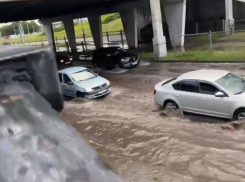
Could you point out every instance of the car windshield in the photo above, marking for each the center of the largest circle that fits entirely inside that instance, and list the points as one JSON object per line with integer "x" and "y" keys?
{"x": 119, "y": 50}
{"x": 82, "y": 75}
{"x": 232, "y": 83}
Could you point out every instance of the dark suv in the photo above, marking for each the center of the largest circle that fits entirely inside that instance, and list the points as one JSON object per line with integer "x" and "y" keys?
{"x": 111, "y": 57}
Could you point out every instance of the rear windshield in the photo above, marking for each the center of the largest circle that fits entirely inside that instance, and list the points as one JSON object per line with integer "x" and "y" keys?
{"x": 172, "y": 79}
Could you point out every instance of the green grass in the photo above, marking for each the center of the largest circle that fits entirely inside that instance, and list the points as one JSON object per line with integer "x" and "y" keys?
{"x": 201, "y": 56}
{"x": 114, "y": 25}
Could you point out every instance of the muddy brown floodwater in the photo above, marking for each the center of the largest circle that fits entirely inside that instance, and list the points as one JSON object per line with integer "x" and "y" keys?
{"x": 127, "y": 130}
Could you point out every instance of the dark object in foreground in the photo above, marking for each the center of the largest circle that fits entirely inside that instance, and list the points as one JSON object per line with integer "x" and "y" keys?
{"x": 111, "y": 57}
{"x": 35, "y": 145}
{"x": 33, "y": 65}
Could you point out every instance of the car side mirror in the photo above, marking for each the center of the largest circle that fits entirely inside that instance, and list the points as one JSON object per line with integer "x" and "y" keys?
{"x": 219, "y": 94}
{"x": 70, "y": 83}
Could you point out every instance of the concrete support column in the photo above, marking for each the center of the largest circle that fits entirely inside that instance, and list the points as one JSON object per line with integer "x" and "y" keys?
{"x": 96, "y": 29}
{"x": 129, "y": 24}
{"x": 70, "y": 33}
{"x": 48, "y": 30}
{"x": 175, "y": 14}
{"x": 159, "y": 40}
{"x": 229, "y": 22}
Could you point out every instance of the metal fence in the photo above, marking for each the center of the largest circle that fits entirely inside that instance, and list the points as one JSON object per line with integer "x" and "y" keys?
{"x": 210, "y": 41}
{"x": 83, "y": 42}
{"x": 214, "y": 26}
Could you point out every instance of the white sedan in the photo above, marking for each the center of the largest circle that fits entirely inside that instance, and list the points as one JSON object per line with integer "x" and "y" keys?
{"x": 215, "y": 93}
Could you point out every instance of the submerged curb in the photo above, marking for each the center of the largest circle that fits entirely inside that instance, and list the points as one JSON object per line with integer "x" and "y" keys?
{"x": 186, "y": 61}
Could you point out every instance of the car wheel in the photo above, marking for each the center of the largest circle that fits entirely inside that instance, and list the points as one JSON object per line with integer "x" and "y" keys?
{"x": 170, "y": 105}
{"x": 80, "y": 95}
{"x": 239, "y": 114}
{"x": 110, "y": 66}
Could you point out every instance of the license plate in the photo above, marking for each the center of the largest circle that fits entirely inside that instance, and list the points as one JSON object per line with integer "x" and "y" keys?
{"x": 134, "y": 63}
{"x": 101, "y": 92}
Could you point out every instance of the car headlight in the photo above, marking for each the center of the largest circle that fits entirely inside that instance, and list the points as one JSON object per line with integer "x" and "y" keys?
{"x": 70, "y": 59}
{"x": 62, "y": 61}
{"x": 125, "y": 59}
{"x": 89, "y": 90}
{"x": 107, "y": 82}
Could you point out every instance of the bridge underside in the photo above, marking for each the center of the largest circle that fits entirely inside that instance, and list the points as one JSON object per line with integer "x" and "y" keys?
{"x": 16, "y": 10}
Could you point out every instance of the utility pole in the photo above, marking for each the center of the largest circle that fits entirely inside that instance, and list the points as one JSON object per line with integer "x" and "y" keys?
{"x": 28, "y": 28}
{"x": 15, "y": 31}
{"x": 32, "y": 28}
{"x": 22, "y": 34}
{"x": 82, "y": 26}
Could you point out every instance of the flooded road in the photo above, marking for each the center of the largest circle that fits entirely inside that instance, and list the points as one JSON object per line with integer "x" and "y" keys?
{"x": 144, "y": 145}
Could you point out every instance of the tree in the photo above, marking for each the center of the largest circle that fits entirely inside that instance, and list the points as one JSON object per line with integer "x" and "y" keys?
{"x": 13, "y": 28}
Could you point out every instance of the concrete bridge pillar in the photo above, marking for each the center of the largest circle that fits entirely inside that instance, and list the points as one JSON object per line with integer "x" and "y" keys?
{"x": 159, "y": 40}
{"x": 96, "y": 29}
{"x": 48, "y": 30}
{"x": 130, "y": 27}
{"x": 175, "y": 13}
{"x": 70, "y": 33}
{"x": 229, "y": 22}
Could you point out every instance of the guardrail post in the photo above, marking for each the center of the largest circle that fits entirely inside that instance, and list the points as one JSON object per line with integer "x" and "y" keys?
{"x": 174, "y": 45}
{"x": 84, "y": 39}
{"x": 223, "y": 25}
{"x": 197, "y": 27}
{"x": 122, "y": 39}
{"x": 210, "y": 41}
{"x": 83, "y": 46}
{"x": 42, "y": 42}
{"x": 108, "y": 40}
{"x": 57, "y": 43}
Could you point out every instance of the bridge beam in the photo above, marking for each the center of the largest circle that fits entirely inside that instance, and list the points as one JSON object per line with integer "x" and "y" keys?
{"x": 70, "y": 33}
{"x": 96, "y": 29}
{"x": 175, "y": 13}
{"x": 49, "y": 32}
{"x": 130, "y": 27}
{"x": 229, "y": 22}
{"x": 159, "y": 40}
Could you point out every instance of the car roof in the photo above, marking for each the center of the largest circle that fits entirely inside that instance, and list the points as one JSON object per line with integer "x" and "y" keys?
{"x": 207, "y": 75}
{"x": 72, "y": 70}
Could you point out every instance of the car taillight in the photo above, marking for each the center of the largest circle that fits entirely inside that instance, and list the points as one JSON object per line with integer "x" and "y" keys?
{"x": 155, "y": 92}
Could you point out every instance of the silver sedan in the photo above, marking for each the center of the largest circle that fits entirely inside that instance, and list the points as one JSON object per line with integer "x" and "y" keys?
{"x": 215, "y": 93}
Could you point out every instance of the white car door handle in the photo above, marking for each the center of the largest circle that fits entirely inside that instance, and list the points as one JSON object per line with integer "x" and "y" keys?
{"x": 201, "y": 98}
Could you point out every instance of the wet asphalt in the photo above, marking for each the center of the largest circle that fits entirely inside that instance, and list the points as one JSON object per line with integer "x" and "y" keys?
{"x": 141, "y": 144}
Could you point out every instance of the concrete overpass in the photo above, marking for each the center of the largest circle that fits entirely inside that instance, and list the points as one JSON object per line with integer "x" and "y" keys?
{"x": 49, "y": 11}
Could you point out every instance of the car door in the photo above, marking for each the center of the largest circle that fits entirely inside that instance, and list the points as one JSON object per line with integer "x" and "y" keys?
{"x": 211, "y": 105}
{"x": 69, "y": 89}
{"x": 62, "y": 83}
{"x": 187, "y": 95}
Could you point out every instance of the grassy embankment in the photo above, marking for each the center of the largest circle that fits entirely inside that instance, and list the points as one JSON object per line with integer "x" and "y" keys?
{"x": 110, "y": 23}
